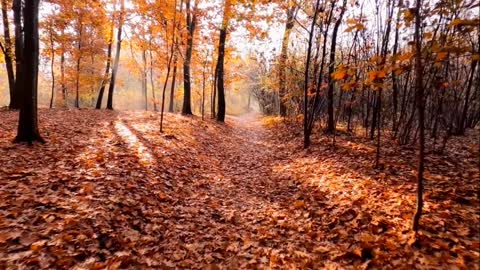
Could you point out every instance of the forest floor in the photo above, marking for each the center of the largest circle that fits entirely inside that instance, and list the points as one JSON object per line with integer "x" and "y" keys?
{"x": 108, "y": 190}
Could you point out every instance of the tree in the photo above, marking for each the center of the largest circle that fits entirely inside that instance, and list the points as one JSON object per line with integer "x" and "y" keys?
{"x": 191, "y": 21}
{"x": 282, "y": 77}
{"x": 111, "y": 87}
{"x": 109, "y": 61}
{"x": 28, "y": 122}
{"x": 420, "y": 103}
{"x": 331, "y": 68}
{"x": 219, "y": 70}
{"x": 6, "y": 48}
{"x": 19, "y": 75}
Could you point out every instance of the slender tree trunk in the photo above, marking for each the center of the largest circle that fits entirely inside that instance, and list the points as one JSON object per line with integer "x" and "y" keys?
{"x": 394, "y": 79}
{"x": 290, "y": 23}
{"x": 214, "y": 93}
{"x": 52, "y": 65}
{"x": 204, "y": 74}
{"x": 7, "y": 51}
{"x": 306, "y": 129}
{"x": 169, "y": 65}
{"x": 152, "y": 80}
{"x": 109, "y": 61}
{"x": 144, "y": 80}
{"x": 331, "y": 69}
{"x": 79, "y": 61}
{"x": 220, "y": 62}
{"x": 461, "y": 125}
{"x": 28, "y": 122}
{"x": 171, "y": 107}
{"x": 191, "y": 23}
{"x": 19, "y": 75}
{"x": 220, "y": 77}
{"x": 420, "y": 102}
{"x": 111, "y": 87}
{"x": 62, "y": 77}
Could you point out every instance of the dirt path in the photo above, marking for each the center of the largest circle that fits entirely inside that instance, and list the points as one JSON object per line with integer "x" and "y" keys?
{"x": 242, "y": 211}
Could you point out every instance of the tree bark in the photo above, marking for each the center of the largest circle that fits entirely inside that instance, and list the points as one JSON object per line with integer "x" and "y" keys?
{"x": 107, "y": 68}
{"x": 306, "y": 129}
{"x": 52, "y": 64}
{"x": 19, "y": 75}
{"x": 191, "y": 23}
{"x": 331, "y": 69}
{"x": 220, "y": 62}
{"x": 28, "y": 122}
{"x": 290, "y": 23}
{"x": 7, "y": 51}
{"x": 79, "y": 62}
{"x": 111, "y": 87}
{"x": 420, "y": 103}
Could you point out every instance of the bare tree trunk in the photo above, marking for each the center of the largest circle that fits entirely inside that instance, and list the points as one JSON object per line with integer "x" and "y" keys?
{"x": 306, "y": 130}
{"x": 420, "y": 102}
{"x": 79, "y": 59}
{"x": 171, "y": 105}
{"x": 19, "y": 76}
{"x": 331, "y": 69}
{"x": 172, "y": 54}
{"x": 28, "y": 122}
{"x": 109, "y": 62}
{"x": 214, "y": 93}
{"x": 220, "y": 62}
{"x": 191, "y": 23}
{"x": 7, "y": 52}
{"x": 290, "y": 23}
{"x": 152, "y": 80}
{"x": 204, "y": 74}
{"x": 144, "y": 79}
{"x": 111, "y": 87}
{"x": 52, "y": 64}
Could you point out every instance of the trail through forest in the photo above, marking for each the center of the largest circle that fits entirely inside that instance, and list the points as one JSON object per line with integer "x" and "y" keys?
{"x": 109, "y": 191}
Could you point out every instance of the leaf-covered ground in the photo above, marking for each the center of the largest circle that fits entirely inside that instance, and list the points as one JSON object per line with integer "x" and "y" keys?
{"x": 109, "y": 191}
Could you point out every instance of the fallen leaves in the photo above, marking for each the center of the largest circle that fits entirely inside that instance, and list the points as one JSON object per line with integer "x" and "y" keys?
{"x": 120, "y": 195}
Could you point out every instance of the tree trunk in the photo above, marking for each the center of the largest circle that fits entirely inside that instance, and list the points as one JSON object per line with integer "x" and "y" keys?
{"x": 331, "y": 69}
{"x": 111, "y": 87}
{"x": 214, "y": 93}
{"x": 220, "y": 62}
{"x": 152, "y": 80}
{"x": 28, "y": 122}
{"x": 420, "y": 102}
{"x": 79, "y": 61}
{"x": 191, "y": 22}
{"x": 291, "y": 12}
{"x": 52, "y": 65}
{"x": 19, "y": 76}
{"x": 144, "y": 80}
{"x": 107, "y": 68}
{"x": 220, "y": 75}
{"x": 461, "y": 123}
{"x": 306, "y": 129}
{"x": 7, "y": 51}
{"x": 171, "y": 107}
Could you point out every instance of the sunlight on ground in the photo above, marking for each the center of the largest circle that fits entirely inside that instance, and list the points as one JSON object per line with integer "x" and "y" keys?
{"x": 131, "y": 139}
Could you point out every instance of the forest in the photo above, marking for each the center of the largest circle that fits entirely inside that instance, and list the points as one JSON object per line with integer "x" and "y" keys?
{"x": 240, "y": 134}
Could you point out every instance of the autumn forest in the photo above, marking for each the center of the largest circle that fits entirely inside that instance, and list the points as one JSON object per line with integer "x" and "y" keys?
{"x": 240, "y": 134}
